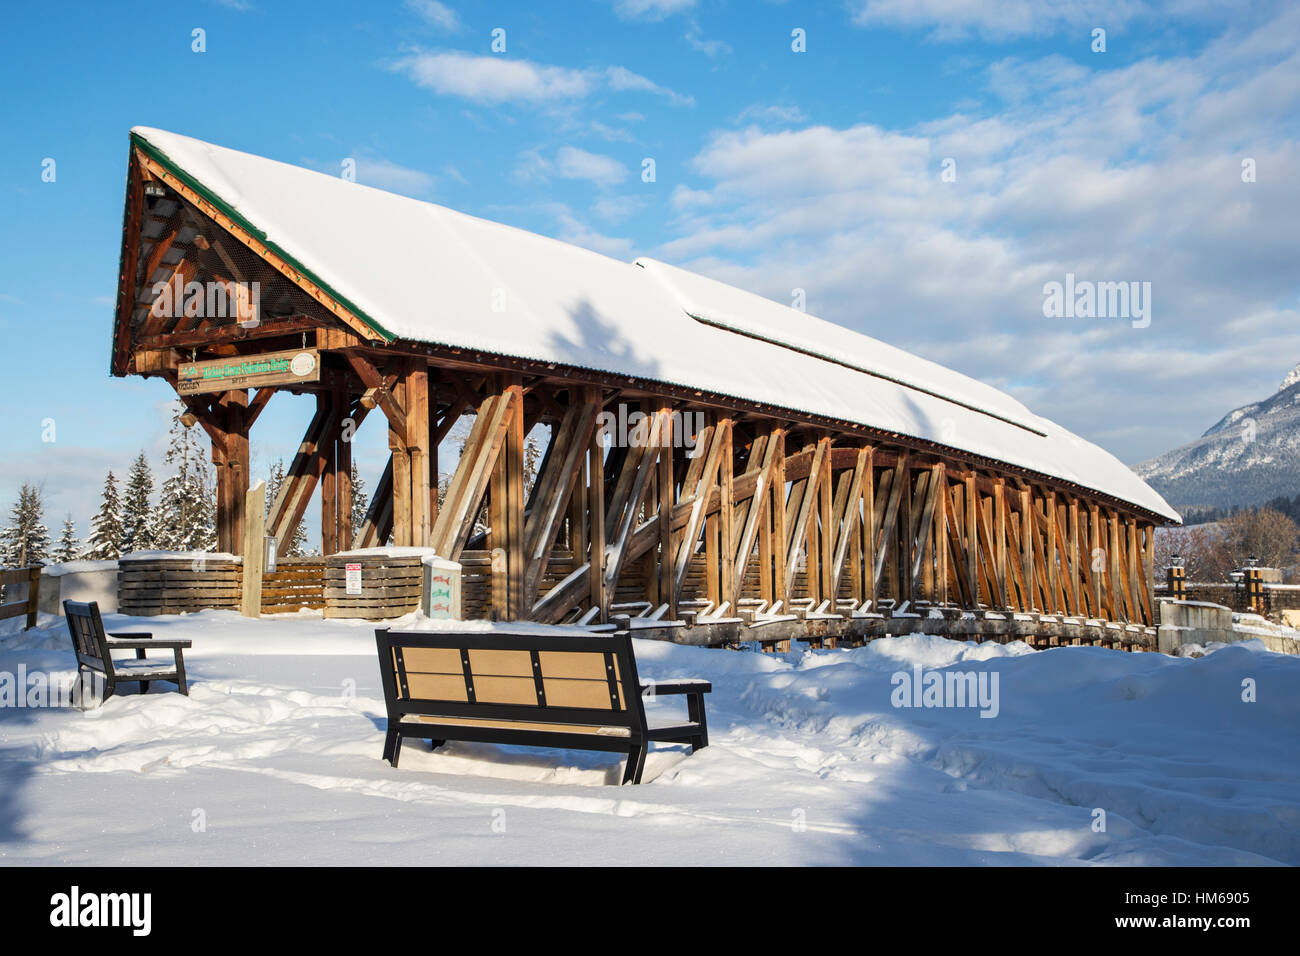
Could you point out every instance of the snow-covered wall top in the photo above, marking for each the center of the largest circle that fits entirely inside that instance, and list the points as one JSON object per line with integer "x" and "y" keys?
{"x": 425, "y": 273}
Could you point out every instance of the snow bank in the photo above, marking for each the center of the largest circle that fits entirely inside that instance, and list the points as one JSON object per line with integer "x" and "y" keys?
{"x": 809, "y": 762}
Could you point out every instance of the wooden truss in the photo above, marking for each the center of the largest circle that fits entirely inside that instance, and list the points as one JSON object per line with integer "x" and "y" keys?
{"x": 709, "y": 504}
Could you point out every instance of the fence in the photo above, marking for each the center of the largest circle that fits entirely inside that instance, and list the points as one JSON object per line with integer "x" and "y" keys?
{"x": 28, "y": 605}
{"x": 1266, "y": 598}
{"x": 295, "y": 584}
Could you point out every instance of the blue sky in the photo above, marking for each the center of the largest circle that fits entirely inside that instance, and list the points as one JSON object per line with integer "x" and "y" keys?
{"x": 774, "y": 169}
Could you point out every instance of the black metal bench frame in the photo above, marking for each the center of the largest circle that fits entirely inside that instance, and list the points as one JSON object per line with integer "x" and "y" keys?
{"x": 627, "y": 710}
{"x": 94, "y": 649}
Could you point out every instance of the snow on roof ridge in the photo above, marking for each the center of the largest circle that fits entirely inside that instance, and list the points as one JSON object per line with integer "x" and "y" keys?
{"x": 784, "y": 330}
{"x": 506, "y": 291}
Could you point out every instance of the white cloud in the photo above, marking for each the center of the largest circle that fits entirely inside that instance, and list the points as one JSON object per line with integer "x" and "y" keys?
{"x": 436, "y": 14}
{"x": 496, "y": 79}
{"x": 618, "y": 208}
{"x": 650, "y": 9}
{"x": 949, "y": 20}
{"x": 574, "y": 163}
{"x": 956, "y": 19}
{"x": 1132, "y": 173}
{"x": 575, "y": 231}
{"x": 532, "y": 167}
{"x": 695, "y": 37}
{"x": 683, "y": 197}
{"x": 493, "y": 79}
{"x": 773, "y": 114}
{"x": 620, "y": 78}
{"x": 372, "y": 170}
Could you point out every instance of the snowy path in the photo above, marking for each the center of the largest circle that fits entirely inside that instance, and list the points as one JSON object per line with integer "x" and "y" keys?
{"x": 277, "y": 754}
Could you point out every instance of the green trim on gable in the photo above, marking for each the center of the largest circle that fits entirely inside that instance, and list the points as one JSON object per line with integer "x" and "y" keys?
{"x": 174, "y": 168}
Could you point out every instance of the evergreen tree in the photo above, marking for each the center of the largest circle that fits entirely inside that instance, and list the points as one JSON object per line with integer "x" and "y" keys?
{"x": 67, "y": 548}
{"x": 358, "y": 506}
{"x": 26, "y": 541}
{"x": 532, "y": 462}
{"x": 296, "y": 546}
{"x": 105, "y": 540}
{"x": 138, "y": 523}
{"x": 185, "y": 519}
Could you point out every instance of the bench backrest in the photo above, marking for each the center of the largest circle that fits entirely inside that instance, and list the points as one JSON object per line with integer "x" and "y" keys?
{"x": 88, "y": 638}
{"x": 586, "y": 680}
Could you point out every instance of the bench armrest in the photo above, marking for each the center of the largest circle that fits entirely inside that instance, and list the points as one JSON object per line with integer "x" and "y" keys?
{"x": 127, "y": 644}
{"x": 132, "y": 635}
{"x": 687, "y": 686}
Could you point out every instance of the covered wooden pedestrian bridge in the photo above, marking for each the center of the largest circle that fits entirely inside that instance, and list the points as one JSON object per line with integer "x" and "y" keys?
{"x": 710, "y": 455}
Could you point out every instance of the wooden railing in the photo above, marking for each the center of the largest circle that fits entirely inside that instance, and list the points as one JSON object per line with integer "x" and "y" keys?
{"x": 32, "y": 577}
{"x": 296, "y": 583}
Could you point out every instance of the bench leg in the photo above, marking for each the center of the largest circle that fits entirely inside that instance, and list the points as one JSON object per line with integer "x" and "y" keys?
{"x": 635, "y": 764}
{"x": 392, "y": 747}
{"x": 144, "y": 687}
{"x": 695, "y": 711}
{"x": 435, "y": 744}
{"x": 181, "y": 684}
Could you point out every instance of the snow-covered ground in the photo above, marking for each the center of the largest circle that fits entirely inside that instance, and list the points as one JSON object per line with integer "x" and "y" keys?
{"x": 275, "y": 758}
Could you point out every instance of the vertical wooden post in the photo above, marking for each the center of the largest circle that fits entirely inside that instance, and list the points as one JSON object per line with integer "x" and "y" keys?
{"x": 1027, "y": 532}
{"x": 971, "y": 500}
{"x": 1149, "y": 560}
{"x": 343, "y": 468}
{"x": 1053, "y": 575}
{"x": 1075, "y": 596}
{"x": 417, "y": 445}
{"x": 233, "y": 477}
{"x": 1095, "y": 558}
{"x": 329, "y": 485}
{"x": 1117, "y": 597}
{"x": 780, "y": 582}
{"x": 1000, "y": 541}
{"x": 401, "y": 471}
{"x": 940, "y": 536}
{"x": 664, "y": 480}
{"x": 506, "y": 511}
{"x": 903, "y": 541}
{"x": 726, "y": 519}
{"x": 1177, "y": 583}
{"x": 826, "y": 536}
{"x": 596, "y": 514}
{"x": 33, "y": 594}
{"x": 514, "y": 455}
{"x": 869, "y": 531}
{"x": 1134, "y": 583}
{"x": 254, "y": 550}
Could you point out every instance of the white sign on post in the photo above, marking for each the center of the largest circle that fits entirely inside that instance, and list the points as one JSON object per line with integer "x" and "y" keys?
{"x": 353, "y": 578}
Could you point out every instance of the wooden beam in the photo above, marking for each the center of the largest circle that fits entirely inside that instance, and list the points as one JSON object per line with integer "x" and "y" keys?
{"x": 473, "y": 472}
{"x": 304, "y": 472}
{"x": 664, "y": 480}
{"x": 597, "y": 595}
{"x": 253, "y": 550}
{"x": 799, "y": 531}
{"x": 259, "y": 248}
{"x": 556, "y": 485}
{"x": 418, "y": 435}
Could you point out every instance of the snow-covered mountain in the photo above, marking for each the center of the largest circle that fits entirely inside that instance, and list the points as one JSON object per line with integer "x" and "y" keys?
{"x": 1250, "y": 455}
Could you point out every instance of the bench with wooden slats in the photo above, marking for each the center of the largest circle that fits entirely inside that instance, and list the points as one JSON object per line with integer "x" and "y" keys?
{"x": 94, "y": 649}
{"x": 578, "y": 692}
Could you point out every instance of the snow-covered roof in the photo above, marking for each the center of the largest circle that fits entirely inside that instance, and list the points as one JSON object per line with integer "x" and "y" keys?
{"x": 421, "y": 272}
